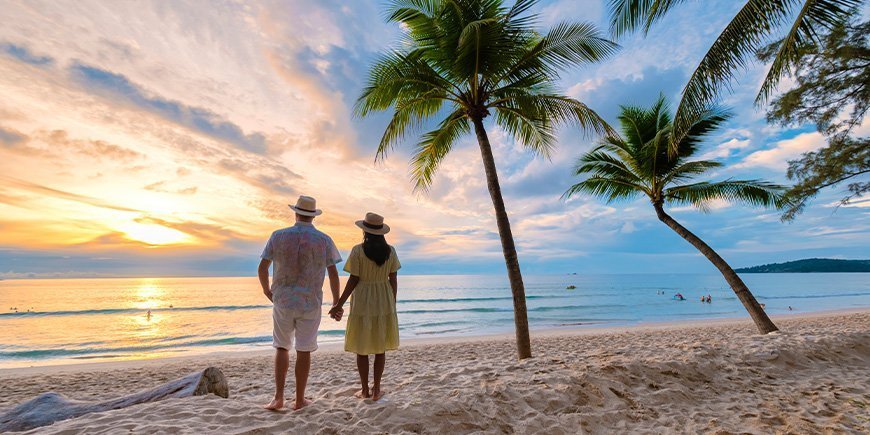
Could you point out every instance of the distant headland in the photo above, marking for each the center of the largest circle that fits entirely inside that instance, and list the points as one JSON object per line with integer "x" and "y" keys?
{"x": 811, "y": 265}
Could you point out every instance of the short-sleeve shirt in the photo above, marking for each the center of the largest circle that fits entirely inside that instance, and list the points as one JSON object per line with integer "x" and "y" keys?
{"x": 358, "y": 264}
{"x": 300, "y": 255}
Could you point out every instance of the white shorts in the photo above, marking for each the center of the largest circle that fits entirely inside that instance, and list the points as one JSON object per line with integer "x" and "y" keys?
{"x": 287, "y": 322}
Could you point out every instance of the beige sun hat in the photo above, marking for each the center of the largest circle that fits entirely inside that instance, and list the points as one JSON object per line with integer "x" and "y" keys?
{"x": 306, "y": 206}
{"x": 373, "y": 224}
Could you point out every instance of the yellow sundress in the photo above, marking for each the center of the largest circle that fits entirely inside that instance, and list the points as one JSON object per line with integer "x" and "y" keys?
{"x": 372, "y": 325}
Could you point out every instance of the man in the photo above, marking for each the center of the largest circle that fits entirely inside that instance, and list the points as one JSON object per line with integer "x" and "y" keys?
{"x": 300, "y": 254}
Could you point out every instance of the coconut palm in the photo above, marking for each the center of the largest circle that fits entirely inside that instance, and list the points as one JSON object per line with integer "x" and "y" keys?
{"x": 640, "y": 162}
{"x": 463, "y": 60}
{"x": 804, "y": 22}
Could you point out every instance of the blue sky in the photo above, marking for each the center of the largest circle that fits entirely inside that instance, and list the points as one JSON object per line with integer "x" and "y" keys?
{"x": 156, "y": 139}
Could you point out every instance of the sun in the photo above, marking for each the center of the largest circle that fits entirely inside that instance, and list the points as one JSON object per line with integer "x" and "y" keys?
{"x": 154, "y": 234}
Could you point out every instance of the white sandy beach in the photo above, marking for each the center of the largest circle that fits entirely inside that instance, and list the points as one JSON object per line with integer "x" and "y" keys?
{"x": 712, "y": 377}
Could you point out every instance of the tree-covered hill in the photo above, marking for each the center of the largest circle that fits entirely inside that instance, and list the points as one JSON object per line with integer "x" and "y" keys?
{"x": 811, "y": 265}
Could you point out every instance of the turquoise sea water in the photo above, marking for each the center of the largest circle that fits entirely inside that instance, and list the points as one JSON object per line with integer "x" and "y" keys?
{"x": 77, "y": 320}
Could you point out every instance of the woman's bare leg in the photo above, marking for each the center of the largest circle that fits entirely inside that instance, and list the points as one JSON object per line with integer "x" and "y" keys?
{"x": 362, "y": 365}
{"x": 380, "y": 361}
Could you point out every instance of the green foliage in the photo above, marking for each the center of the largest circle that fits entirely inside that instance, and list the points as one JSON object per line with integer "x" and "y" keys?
{"x": 461, "y": 61}
{"x": 832, "y": 78}
{"x": 811, "y": 265}
{"x": 843, "y": 159}
{"x": 756, "y": 21}
{"x": 641, "y": 162}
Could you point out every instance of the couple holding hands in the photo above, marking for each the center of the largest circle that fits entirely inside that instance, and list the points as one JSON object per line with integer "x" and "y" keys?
{"x": 300, "y": 257}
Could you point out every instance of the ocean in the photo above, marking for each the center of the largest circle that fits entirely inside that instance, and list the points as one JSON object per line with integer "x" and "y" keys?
{"x": 57, "y": 321}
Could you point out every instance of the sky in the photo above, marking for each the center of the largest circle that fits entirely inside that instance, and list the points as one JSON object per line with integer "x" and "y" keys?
{"x": 153, "y": 138}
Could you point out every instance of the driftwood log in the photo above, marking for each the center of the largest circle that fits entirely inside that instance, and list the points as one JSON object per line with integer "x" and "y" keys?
{"x": 51, "y": 407}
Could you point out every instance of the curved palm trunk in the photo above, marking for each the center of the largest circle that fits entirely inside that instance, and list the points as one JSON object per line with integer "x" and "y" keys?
{"x": 521, "y": 321}
{"x": 764, "y": 324}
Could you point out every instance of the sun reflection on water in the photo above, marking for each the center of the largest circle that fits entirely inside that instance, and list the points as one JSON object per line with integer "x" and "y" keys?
{"x": 149, "y": 295}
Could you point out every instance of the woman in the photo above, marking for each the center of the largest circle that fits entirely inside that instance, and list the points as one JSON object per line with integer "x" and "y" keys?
{"x": 372, "y": 325}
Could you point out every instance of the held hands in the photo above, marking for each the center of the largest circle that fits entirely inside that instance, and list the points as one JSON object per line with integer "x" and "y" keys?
{"x": 336, "y": 312}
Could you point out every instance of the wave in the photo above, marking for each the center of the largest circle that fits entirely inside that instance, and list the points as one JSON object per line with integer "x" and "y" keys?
{"x": 65, "y": 352}
{"x": 510, "y": 309}
{"x": 131, "y": 310}
{"x": 496, "y": 298}
{"x": 834, "y": 295}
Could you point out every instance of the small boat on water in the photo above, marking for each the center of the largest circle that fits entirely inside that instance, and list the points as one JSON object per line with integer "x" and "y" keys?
{"x": 571, "y": 287}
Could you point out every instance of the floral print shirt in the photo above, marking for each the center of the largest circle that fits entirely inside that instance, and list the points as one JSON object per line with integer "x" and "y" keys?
{"x": 300, "y": 255}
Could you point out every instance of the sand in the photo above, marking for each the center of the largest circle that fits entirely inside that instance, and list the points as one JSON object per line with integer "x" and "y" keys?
{"x": 715, "y": 377}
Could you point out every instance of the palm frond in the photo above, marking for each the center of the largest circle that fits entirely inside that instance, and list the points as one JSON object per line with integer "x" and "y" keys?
{"x": 599, "y": 162}
{"x": 532, "y": 129}
{"x": 408, "y": 114}
{"x": 611, "y": 190}
{"x": 434, "y": 146}
{"x": 688, "y": 170}
{"x": 398, "y": 77}
{"x": 730, "y": 52}
{"x": 626, "y": 16}
{"x": 571, "y": 44}
{"x": 813, "y": 16}
{"x": 700, "y": 127}
{"x": 566, "y": 45}
{"x": 751, "y": 192}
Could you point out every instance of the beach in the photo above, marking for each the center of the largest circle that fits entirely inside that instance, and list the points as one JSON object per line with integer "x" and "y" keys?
{"x": 715, "y": 376}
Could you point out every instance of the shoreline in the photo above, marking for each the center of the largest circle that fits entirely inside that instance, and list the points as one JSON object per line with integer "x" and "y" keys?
{"x": 690, "y": 377}
{"x": 337, "y": 347}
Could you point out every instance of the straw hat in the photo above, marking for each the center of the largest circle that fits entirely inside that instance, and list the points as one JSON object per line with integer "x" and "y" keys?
{"x": 306, "y": 206}
{"x": 373, "y": 224}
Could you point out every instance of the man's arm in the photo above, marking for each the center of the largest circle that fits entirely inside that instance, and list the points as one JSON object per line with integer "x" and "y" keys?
{"x": 334, "y": 284}
{"x": 263, "y": 273}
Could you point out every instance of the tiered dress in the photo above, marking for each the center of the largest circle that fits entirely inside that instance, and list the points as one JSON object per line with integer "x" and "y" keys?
{"x": 372, "y": 325}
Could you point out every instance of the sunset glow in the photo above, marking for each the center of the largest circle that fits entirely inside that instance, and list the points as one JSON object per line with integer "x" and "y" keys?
{"x": 168, "y": 138}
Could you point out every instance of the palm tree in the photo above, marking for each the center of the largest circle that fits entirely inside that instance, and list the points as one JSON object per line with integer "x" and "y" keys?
{"x": 463, "y": 60}
{"x": 741, "y": 39}
{"x": 642, "y": 162}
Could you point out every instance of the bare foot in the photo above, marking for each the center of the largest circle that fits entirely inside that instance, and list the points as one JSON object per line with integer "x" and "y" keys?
{"x": 305, "y": 402}
{"x": 275, "y": 405}
{"x": 362, "y": 394}
{"x": 377, "y": 394}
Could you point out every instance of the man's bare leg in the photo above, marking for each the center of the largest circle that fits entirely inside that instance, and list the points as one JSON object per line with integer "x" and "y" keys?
{"x": 362, "y": 365}
{"x": 380, "y": 361}
{"x": 303, "y": 367}
{"x": 282, "y": 364}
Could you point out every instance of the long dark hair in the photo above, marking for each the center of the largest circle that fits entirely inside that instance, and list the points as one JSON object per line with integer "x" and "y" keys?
{"x": 376, "y": 248}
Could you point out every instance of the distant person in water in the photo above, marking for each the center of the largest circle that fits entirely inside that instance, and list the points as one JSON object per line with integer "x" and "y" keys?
{"x": 679, "y": 297}
{"x": 372, "y": 325}
{"x": 709, "y": 299}
{"x": 299, "y": 256}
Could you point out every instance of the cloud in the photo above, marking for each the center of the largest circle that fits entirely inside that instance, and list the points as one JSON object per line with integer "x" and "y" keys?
{"x": 605, "y": 96}
{"x": 161, "y": 186}
{"x": 23, "y": 54}
{"x": 59, "y": 139}
{"x": 196, "y": 118}
{"x": 785, "y": 150}
{"x": 11, "y": 138}
{"x": 726, "y": 149}
{"x": 44, "y": 190}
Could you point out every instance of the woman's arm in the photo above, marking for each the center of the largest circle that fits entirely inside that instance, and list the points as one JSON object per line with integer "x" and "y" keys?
{"x": 352, "y": 281}
{"x": 394, "y": 283}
